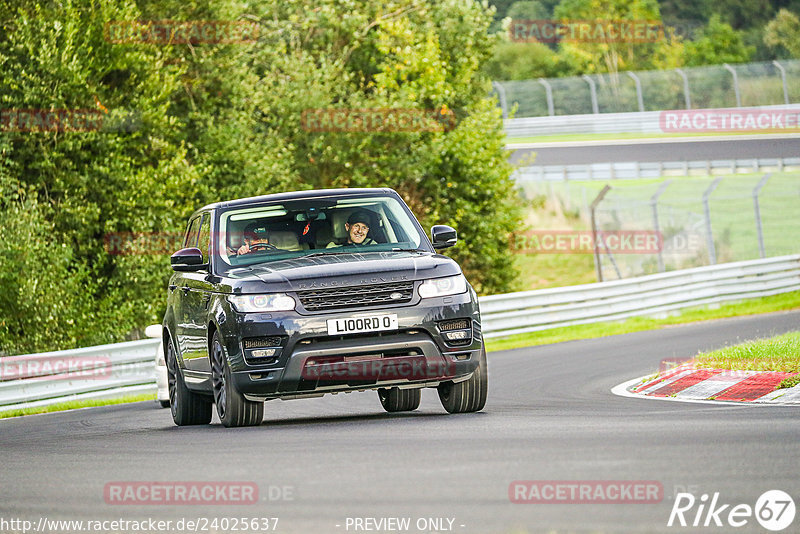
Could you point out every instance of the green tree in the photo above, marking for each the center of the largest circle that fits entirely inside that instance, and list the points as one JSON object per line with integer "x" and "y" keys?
{"x": 401, "y": 55}
{"x": 783, "y": 32}
{"x": 187, "y": 124}
{"x": 614, "y": 55}
{"x": 528, "y": 10}
{"x": 525, "y": 61}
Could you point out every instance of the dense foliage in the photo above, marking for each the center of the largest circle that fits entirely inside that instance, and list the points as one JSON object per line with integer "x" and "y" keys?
{"x": 697, "y": 33}
{"x": 188, "y": 124}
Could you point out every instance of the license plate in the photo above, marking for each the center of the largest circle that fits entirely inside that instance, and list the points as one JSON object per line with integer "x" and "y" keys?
{"x": 360, "y": 325}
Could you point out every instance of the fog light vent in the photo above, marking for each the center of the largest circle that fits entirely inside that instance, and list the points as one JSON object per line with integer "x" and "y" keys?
{"x": 454, "y": 324}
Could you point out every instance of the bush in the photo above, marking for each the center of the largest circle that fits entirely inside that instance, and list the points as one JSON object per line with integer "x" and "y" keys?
{"x": 213, "y": 122}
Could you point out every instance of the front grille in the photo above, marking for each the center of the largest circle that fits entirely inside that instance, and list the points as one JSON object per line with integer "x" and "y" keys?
{"x": 356, "y": 296}
{"x": 259, "y": 342}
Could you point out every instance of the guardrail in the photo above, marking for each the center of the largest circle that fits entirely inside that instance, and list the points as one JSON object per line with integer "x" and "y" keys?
{"x": 128, "y": 368}
{"x": 656, "y": 169}
{"x": 103, "y": 371}
{"x": 646, "y": 122}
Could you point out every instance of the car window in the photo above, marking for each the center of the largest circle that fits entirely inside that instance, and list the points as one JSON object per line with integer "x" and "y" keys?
{"x": 192, "y": 232}
{"x": 205, "y": 236}
{"x": 336, "y": 225}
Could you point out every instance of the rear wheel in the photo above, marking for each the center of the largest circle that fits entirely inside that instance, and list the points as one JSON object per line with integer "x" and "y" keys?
{"x": 469, "y": 395}
{"x": 232, "y": 408}
{"x": 399, "y": 400}
{"x": 187, "y": 407}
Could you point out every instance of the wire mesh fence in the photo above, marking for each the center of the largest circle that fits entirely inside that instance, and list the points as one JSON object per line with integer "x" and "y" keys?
{"x": 697, "y": 220}
{"x": 717, "y": 86}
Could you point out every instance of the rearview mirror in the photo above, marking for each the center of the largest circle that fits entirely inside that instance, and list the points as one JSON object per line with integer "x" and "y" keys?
{"x": 443, "y": 236}
{"x": 188, "y": 259}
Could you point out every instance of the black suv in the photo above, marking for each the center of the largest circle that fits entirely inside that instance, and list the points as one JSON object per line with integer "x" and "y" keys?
{"x": 299, "y": 294}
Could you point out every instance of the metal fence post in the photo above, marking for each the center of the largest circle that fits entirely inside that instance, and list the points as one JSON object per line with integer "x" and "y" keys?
{"x": 757, "y": 210}
{"x": 656, "y": 227}
{"x": 639, "y": 96}
{"x": 686, "y": 96}
{"x": 712, "y": 252}
{"x": 593, "y": 92}
{"x": 735, "y": 84}
{"x": 548, "y": 90}
{"x": 783, "y": 80}
{"x": 501, "y": 96}
{"x": 592, "y": 209}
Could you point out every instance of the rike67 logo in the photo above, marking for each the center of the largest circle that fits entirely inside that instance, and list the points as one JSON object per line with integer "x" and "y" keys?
{"x": 774, "y": 510}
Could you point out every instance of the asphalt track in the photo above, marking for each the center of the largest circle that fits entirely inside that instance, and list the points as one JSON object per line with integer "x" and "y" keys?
{"x": 650, "y": 150}
{"x": 550, "y": 416}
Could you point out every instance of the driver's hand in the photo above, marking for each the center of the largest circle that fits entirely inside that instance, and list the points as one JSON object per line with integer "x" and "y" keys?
{"x": 244, "y": 249}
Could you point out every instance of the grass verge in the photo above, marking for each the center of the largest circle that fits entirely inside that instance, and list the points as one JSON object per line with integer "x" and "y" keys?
{"x": 779, "y": 353}
{"x": 785, "y": 301}
{"x": 72, "y": 405}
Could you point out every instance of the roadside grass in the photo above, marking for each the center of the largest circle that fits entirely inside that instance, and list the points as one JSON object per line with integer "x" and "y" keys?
{"x": 783, "y": 302}
{"x": 731, "y": 209}
{"x": 72, "y": 405}
{"x": 540, "y": 271}
{"x": 779, "y": 353}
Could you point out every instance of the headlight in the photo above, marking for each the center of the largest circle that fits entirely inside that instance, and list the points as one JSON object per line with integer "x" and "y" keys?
{"x": 441, "y": 287}
{"x": 262, "y": 303}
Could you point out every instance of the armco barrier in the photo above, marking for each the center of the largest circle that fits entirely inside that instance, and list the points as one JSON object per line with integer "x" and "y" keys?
{"x": 657, "y": 169}
{"x": 529, "y": 311}
{"x": 644, "y": 122}
{"x": 132, "y": 369}
{"x": 114, "y": 370}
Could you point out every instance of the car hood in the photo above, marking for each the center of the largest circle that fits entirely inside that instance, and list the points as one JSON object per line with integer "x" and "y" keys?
{"x": 320, "y": 272}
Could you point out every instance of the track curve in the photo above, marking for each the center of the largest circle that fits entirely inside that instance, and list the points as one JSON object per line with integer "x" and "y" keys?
{"x": 550, "y": 416}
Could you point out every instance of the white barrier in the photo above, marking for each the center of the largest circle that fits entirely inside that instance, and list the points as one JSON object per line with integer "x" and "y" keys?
{"x": 530, "y": 311}
{"x": 661, "y": 169}
{"x": 102, "y": 371}
{"x": 646, "y": 122}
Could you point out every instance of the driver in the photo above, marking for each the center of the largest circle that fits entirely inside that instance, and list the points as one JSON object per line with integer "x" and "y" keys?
{"x": 357, "y": 228}
{"x": 256, "y": 237}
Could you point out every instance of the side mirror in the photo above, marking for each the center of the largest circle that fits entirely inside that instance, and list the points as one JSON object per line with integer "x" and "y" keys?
{"x": 443, "y": 236}
{"x": 187, "y": 259}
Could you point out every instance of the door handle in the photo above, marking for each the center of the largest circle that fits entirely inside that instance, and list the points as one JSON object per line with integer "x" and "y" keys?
{"x": 186, "y": 290}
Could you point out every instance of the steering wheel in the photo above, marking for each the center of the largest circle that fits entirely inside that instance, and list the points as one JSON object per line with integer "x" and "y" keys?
{"x": 263, "y": 246}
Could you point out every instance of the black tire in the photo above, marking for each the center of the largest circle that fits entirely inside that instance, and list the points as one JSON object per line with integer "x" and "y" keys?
{"x": 187, "y": 407}
{"x": 399, "y": 400}
{"x": 469, "y": 395}
{"x": 232, "y": 408}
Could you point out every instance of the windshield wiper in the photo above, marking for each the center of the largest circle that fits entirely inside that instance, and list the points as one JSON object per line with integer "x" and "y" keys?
{"x": 406, "y": 250}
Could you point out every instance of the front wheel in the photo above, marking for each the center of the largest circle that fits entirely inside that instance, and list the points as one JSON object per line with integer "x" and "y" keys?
{"x": 232, "y": 408}
{"x": 400, "y": 400}
{"x": 469, "y": 395}
{"x": 188, "y": 407}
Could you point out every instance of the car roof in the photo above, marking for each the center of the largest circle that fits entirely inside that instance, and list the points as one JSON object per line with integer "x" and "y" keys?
{"x": 296, "y": 195}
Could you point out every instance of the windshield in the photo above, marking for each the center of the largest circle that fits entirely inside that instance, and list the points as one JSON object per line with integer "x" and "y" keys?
{"x": 262, "y": 233}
